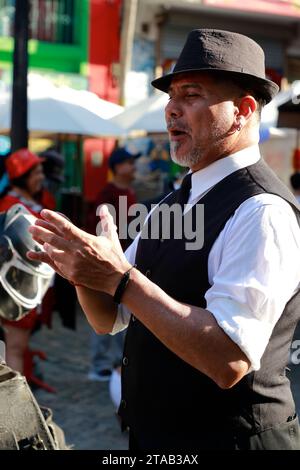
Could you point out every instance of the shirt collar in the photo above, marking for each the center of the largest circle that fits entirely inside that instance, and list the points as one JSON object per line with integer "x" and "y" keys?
{"x": 203, "y": 180}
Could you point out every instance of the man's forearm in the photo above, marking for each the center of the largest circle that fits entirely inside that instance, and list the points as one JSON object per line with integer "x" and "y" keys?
{"x": 190, "y": 332}
{"x": 99, "y": 308}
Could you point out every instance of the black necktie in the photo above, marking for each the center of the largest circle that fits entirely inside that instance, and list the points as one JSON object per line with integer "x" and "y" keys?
{"x": 182, "y": 197}
{"x": 184, "y": 190}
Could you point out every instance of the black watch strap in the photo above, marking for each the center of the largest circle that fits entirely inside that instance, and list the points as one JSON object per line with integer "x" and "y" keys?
{"x": 122, "y": 285}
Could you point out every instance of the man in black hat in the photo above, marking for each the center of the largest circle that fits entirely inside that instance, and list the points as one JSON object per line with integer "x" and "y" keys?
{"x": 209, "y": 328}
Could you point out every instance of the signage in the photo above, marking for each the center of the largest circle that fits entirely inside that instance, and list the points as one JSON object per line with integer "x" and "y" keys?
{"x": 273, "y": 7}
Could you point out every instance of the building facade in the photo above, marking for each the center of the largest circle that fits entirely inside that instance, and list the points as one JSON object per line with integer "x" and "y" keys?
{"x": 162, "y": 27}
{"x": 73, "y": 43}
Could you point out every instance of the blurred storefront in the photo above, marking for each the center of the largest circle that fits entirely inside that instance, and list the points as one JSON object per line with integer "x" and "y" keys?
{"x": 73, "y": 43}
{"x": 274, "y": 25}
{"x": 78, "y": 43}
{"x": 58, "y": 43}
{"x": 163, "y": 26}
{"x": 104, "y": 70}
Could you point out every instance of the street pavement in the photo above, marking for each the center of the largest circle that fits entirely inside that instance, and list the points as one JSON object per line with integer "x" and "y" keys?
{"x": 83, "y": 408}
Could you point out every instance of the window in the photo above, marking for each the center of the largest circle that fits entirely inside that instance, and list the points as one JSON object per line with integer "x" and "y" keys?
{"x": 49, "y": 20}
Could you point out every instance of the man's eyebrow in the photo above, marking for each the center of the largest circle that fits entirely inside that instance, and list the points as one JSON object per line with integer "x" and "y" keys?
{"x": 184, "y": 86}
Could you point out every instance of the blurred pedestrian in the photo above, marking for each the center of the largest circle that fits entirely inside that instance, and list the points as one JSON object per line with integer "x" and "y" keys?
{"x": 122, "y": 165}
{"x": 295, "y": 183}
{"x": 26, "y": 177}
{"x": 53, "y": 167}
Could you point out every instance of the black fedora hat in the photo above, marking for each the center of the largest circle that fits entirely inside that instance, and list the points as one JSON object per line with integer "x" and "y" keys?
{"x": 216, "y": 51}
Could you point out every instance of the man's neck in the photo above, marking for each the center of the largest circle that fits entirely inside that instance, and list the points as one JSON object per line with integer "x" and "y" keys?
{"x": 224, "y": 152}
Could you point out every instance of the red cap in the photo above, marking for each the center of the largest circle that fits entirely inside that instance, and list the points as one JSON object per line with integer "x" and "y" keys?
{"x": 21, "y": 161}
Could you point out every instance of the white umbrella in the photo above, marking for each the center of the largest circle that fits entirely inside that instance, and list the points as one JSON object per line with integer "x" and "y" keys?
{"x": 90, "y": 101}
{"x": 147, "y": 115}
{"x": 64, "y": 111}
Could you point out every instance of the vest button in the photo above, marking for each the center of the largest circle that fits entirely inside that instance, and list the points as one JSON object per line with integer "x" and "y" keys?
{"x": 148, "y": 273}
{"x": 161, "y": 240}
{"x": 133, "y": 318}
{"x": 123, "y": 403}
{"x": 125, "y": 361}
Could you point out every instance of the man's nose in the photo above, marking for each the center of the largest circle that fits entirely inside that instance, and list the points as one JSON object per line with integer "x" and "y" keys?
{"x": 173, "y": 109}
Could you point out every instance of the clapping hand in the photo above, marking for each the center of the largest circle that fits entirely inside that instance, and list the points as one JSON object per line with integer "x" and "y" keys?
{"x": 96, "y": 262}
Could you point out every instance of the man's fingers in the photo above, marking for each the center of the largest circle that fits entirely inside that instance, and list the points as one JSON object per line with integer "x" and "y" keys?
{"x": 43, "y": 235}
{"x": 58, "y": 260}
{"x": 44, "y": 258}
{"x": 55, "y": 254}
{"x": 52, "y": 228}
{"x": 39, "y": 256}
{"x": 63, "y": 225}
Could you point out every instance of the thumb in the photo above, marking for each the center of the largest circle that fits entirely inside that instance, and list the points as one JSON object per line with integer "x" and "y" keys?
{"x": 109, "y": 228}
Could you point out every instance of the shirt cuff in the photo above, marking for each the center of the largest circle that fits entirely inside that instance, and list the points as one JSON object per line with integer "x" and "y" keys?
{"x": 242, "y": 326}
{"x": 122, "y": 320}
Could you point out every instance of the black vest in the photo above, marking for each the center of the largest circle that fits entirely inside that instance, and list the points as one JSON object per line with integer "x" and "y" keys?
{"x": 167, "y": 403}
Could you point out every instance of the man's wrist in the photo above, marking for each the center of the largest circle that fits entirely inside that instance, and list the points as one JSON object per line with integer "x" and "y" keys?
{"x": 121, "y": 287}
{"x": 117, "y": 277}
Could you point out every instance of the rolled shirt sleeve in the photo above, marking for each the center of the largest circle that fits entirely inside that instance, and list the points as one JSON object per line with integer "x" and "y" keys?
{"x": 254, "y": 269}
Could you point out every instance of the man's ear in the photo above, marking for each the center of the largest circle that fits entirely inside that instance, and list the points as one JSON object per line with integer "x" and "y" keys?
{"x": 246, "y": 107}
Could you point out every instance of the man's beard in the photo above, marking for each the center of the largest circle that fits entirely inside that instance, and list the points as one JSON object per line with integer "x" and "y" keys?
{"x": 190, "y": 159}
{"x": 219, "y": 133}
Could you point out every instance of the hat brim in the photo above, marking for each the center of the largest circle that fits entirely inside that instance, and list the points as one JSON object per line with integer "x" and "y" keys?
{"x": 265, "y": 88}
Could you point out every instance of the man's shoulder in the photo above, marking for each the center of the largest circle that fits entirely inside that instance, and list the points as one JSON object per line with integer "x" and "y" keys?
{"x": 266, "y": 206}
{"x": 267, "y": 200}
{"x": 260, "y": 219}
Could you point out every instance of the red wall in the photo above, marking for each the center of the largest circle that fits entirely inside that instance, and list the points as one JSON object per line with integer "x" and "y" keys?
{"x": 104, "y": 51}
{"x": 95, "y": 172}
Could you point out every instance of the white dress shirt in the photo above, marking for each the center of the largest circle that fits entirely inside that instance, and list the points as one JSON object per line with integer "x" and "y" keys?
{"x": 253, "y": 266}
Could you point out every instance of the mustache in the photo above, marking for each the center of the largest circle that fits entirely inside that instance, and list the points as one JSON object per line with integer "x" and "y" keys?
{"x": 172, "y": 123}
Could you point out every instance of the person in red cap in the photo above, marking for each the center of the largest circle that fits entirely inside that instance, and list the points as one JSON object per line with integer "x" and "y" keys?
{"x": 26, "y": 178}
